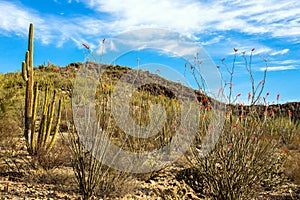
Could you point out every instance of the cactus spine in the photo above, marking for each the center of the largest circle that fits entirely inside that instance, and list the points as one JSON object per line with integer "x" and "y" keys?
{"x": 38, "y": 139}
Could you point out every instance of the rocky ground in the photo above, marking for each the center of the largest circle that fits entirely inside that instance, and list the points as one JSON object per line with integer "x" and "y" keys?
{"x": 163, "y": 186}
{"x": 19, "y": 179}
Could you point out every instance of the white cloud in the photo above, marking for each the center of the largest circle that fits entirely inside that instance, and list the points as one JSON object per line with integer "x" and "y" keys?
{"x": 183, "y": 16}
{"x": 263, "y": 50}
{"x": 278, "y": 68}
{"x": 286, "y": 62}
{"x": 48, "y": 28}
{"x": 265, "y": 16}
{"x": 259, "y": 49}
{"x": 278, "y": 19}
{"x": 281, "y": 52}
{"x": 213, "y": 40}
{"x": 16, "y": 18}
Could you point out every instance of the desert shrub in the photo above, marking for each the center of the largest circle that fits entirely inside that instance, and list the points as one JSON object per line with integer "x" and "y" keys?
{"x": 292, "y": 167}
{"x": 87, "y": 142}
{"x": 247, "y": 157}
{"x": 284, "y": 129}
{"x": 12, "y": 80}
{"x": 11, "y": 96}
{"x": 244, "y": 160}
{"x": 93, "y": 177}
{"x": 58, "y": 156}
{"x": 9, "y": 132}
{"x": 10, "y": 144}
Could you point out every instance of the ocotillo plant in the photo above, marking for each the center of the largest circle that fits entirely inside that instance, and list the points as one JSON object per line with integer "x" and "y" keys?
{"x": 37, "y": 139}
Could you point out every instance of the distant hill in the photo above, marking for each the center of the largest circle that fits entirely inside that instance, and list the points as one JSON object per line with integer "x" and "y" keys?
{"x": 12, "y": 88}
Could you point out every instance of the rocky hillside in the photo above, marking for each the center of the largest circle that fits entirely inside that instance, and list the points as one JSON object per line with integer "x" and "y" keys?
{"x": 51, "y": 176}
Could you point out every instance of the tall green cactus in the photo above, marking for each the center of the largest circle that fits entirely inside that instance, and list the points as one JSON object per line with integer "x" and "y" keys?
{"x": 37, "y": 139}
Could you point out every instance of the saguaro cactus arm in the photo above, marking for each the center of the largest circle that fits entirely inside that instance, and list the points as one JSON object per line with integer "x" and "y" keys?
{"x": 24, "y": 71}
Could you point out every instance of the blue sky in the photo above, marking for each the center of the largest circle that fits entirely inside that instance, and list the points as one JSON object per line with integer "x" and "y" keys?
{"x": 272, "y": 27}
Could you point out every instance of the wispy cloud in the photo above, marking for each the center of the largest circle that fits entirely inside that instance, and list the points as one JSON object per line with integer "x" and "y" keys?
{"x": 271, "y": 17}
{"x": 281, "y": 52}
{"x": 213, "y": 40}
{"x": 279, "y": 68}
{"x": 265, "y": 16}
{"x": 70, "y": 1}
{"x": 286, "y": 62}
{"x": 14, "y": 18}
{"x": 48, "y": 28}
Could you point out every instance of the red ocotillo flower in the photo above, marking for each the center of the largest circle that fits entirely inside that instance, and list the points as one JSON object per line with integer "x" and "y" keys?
{"x": 254, "y": 138}
{"x": 252, "y": 49}
{"x": 268, "y": 93}
{"x": 271, "y": 112}
{"x": 249, "y": 96}
{"x": 234, "y": 126}
{"x": 278, "y": 96}
{"x": 238, "y": 95}
{"x": 86, "y": 46}
{"x": 235, "y": 49}
{"x": 208, "y": 107}
{"x": 205, "y": 100}
{"x": 227, "y": 113}
{"x": 261, "y": 82}
{"x": 175, "y": 123}
{"x": 283, "y": 151}
{"x": 56, "y": 69}
{"x": 105, "y": 85}
{"x": 249, "y": 156}
{"x": 290, "y": 113}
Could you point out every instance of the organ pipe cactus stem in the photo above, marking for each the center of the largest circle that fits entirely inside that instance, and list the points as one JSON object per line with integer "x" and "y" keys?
{"x": 35, "y": 103}
{"x": 50, "y": 118}
{"x": 56, "y": 127}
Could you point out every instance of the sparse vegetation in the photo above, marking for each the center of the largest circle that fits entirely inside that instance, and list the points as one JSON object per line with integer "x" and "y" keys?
{"x": 250, "y": 154}
{"x": 257, "y": 154}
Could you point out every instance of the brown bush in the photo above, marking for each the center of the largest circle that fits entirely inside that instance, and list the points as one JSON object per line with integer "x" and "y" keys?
{"x": 292, "y": 167}
{"x": 9, "y": 134}
{"x": 59, "y": 155}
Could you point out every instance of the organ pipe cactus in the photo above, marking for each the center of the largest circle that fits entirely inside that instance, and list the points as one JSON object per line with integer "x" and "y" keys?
{"x": 37, "y": 139}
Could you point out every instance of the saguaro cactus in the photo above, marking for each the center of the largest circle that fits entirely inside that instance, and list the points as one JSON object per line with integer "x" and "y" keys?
{"x": 27, "y": 72}
{"x": 36, "y": 139}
